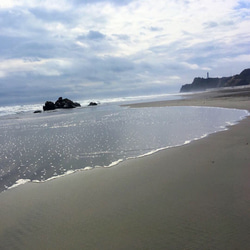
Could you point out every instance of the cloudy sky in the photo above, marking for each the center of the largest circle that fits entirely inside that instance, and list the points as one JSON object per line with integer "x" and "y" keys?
{"x": 84, "y": 49}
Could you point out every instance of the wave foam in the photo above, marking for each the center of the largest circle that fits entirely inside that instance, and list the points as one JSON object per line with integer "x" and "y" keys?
{"x": 19, "y": 182}
{"x": 114, "y": 163}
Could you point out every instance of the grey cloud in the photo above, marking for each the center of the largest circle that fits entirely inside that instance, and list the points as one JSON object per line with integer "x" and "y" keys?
{"x": 17, "y": 20}
{"x": 96, "y": 42}
{"x": 52, "y": 15}
{"x": 116, "y": 64}
{"x": 155, "y": 29}
{"x": 228, "y": 23}
{"x": 36, "y": 49}
{"x": 8, "y": 44}
{"x": 121, "y": 37}
{"x": 213, "y": 24}
{"x": 160, "y": 48}
{"x": 35, "y": 89}
{"x": 10, "y": 19}
{"x": 210, "y": 24}
{"x": 19, "y": 47}
{"x": 25, "y": 36}
{"x": 95, "y": 35}
{"x": 92, "y": 35}
{"x": 107, "y": 69}
{"x": 82, "y": 64}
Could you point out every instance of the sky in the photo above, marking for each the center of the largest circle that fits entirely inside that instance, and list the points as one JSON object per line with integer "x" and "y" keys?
{"x": 83, "y": 49}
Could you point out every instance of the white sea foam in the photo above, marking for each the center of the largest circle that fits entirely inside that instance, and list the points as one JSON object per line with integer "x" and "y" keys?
{"x": 88, "y": 168}
{"x": 114, "y": 163}
{"x": 123, "y": 99}
{"x": 12, "y": 110}
{"x": 19, "y": 182}
{"x": 69, "y": 172}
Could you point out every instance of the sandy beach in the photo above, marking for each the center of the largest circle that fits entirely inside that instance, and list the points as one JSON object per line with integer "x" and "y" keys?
{"x": 196, "y": 196}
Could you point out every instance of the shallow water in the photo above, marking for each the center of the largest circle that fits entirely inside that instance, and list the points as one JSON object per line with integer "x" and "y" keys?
{"x": 38, "y": 147}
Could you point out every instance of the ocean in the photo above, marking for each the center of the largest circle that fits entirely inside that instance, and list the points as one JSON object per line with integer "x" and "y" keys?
{"x": 43, "y": 146}
{"x": 19, "y": 109}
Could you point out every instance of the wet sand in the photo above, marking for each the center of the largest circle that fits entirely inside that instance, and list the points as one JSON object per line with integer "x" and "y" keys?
{"x": 196, "y": 196}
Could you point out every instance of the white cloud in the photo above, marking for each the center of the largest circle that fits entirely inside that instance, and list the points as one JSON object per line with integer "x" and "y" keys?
{"x": 46, "y": 4}
{"x": 190, "y": 66}
{"x": 238, "y": 58}
{"x": 46, "y": 67}
{"x": 174, "y": 78}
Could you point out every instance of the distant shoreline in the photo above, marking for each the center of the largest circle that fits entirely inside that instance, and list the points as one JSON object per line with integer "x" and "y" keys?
{"x": 237, "y": 97}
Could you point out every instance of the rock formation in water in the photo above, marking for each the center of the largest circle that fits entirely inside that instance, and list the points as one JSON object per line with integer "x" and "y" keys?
{"x": 201, "y": 84}
{"x": 60, "y": 104}
{"x": 92, "y": 104}
{"x": 37, "y": 111}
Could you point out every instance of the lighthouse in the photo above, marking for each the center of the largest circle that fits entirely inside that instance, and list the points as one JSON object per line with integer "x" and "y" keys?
{"x": 207, "y": 75}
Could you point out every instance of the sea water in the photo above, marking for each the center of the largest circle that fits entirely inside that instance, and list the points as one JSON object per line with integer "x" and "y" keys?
{"x": 43, "y": 146}
{"x": 6, "y": 110}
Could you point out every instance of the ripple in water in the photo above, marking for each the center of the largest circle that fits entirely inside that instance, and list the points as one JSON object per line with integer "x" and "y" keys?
{"x": 39, "y": 147}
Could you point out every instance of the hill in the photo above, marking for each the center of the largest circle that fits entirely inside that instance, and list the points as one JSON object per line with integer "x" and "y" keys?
{"x": 202, "y": 84}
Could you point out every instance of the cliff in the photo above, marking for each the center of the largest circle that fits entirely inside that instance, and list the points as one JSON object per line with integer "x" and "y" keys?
{"x": 201, "y": 84}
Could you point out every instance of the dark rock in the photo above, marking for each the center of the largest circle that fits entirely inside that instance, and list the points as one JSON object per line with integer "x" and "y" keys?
{"x": 245, "y": 74}
{"x": 77, "y": 104}
{"x": 240, "y": 80}
{"x": 61, "y": 104}
{"x": 92, "y": 104}
{"x": 37, "y": 111}
{"x": 66, "y": 103}
{"x": 49, "y": 106}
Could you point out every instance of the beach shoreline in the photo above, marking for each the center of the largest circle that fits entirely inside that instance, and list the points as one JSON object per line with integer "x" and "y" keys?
{"x": 235, "y": 98}
{"x": 195, "y": 196}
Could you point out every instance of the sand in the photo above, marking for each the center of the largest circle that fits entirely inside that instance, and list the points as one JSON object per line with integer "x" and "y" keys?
{"x": 196, "y": 196}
